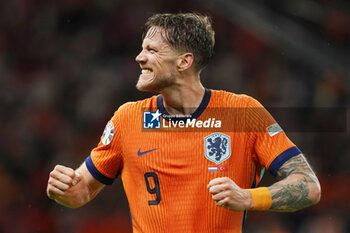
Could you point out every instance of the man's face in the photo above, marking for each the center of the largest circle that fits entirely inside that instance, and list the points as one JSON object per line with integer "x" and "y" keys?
{"x": 157, "y": 61}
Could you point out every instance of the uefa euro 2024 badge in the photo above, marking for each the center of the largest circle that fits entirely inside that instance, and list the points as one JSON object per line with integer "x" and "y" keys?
{"x": 108, "y": 133}
{"x": 217, "y": 147}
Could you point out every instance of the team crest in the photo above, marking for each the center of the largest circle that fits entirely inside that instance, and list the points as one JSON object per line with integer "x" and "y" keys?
{"x": 217, "y": 147}
{"x": 108, "y": 133}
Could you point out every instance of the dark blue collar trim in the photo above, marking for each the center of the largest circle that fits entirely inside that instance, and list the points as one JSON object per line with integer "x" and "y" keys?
{"x": 203, "y": 105}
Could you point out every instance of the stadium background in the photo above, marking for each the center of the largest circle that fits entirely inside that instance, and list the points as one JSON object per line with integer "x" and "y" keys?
{"x": 65, "y": 66}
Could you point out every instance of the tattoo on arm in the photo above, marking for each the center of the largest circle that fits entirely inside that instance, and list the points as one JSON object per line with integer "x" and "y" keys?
{"x": 293, "y": 194}
{"x": 291, "y": 197}
{"x": 296, "y": 165}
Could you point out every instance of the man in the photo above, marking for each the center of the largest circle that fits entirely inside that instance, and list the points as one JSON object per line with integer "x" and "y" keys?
{"x": 181, "y": 170}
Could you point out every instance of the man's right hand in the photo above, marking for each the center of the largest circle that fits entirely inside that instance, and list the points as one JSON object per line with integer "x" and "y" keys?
{"x": 60, "y": 180}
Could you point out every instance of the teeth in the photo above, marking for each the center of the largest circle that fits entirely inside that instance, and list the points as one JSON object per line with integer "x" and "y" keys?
{"x": 145, "y": 71}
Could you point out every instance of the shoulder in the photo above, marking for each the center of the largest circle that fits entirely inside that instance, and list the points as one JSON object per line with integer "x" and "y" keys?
{"x": 230, "y": 99}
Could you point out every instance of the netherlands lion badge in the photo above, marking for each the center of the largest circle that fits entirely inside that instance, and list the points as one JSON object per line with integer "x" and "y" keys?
{"x": 217, "y": 147}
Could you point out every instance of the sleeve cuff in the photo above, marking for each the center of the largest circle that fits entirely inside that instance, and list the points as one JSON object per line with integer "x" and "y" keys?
{"x": 282, "y": 158}
{"x": 96, "y": 174}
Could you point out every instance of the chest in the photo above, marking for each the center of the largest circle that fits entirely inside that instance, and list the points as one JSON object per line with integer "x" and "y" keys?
{"x": 189, "y": 153}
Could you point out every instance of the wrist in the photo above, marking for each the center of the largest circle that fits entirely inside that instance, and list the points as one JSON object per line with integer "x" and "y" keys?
{"x": 261, "y": 198}
{"x": 249, "y": 200}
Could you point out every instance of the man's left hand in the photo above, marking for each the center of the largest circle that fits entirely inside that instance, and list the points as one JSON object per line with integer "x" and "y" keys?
{"x": 228, "y": 194}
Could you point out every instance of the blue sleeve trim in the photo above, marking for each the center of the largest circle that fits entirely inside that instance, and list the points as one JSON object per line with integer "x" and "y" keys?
{"x": 132, "y": 227}
{"x": 244, "y": 219}
{"x": 282, "y": 158}
{"x": 95, "y": 173}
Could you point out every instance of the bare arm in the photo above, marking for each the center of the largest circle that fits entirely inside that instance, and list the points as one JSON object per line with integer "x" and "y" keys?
{"x": 298, "y": 186}
{"x": 72, "y": 188}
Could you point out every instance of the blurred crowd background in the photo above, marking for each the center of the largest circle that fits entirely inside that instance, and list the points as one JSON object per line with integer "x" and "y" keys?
{"x": 66, "y": 66}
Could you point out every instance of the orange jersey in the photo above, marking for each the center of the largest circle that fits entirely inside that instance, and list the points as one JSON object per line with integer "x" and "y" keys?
{"x": 165, "y": 164}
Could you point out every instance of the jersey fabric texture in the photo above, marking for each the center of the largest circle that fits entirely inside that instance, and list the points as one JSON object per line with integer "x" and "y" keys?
{"x": 165, "y": 172}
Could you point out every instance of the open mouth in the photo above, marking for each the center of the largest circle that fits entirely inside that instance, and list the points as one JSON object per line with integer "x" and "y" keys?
{"x": 146, "y": 71}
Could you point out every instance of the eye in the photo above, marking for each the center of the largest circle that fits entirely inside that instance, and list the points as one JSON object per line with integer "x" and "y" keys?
{"x": 152, "y": 50}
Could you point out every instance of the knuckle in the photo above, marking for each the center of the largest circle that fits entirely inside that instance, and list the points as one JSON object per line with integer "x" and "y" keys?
{"x": 69, "y": 181}
{"x": 229, "y": 180}
{"x": 66, "y": 180}
{"x": 225, "y": 202}
{"x": 221, "y": 203}
{"x": 71, "y": 172}
{"x": 223, "y": 195}
{"x": 57, "y": 167}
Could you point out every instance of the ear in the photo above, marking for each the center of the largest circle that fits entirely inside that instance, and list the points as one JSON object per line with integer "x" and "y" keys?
{"x": 185, "y": 61}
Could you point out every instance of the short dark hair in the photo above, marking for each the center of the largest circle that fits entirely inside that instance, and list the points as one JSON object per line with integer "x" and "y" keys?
{"x": 186, "y": 32}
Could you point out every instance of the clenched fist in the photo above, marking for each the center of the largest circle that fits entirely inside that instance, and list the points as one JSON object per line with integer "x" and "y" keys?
{"x": 61, "y": 179}
{"x": 228, "y": 194}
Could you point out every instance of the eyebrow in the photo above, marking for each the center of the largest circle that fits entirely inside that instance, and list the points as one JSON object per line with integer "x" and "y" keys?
{"x": 148, "y": 45}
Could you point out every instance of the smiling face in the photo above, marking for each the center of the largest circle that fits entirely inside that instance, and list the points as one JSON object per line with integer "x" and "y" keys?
{"x": 158, "y": 62}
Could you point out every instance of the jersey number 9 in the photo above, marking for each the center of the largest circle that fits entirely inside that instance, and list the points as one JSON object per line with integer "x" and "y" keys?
{"x": 155, "y": 190}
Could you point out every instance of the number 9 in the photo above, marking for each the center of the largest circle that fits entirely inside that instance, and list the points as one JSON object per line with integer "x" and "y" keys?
{"x": 155, "y": 190}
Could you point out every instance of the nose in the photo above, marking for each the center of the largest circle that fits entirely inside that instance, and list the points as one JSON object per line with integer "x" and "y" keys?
{"x": 141, "y": 58}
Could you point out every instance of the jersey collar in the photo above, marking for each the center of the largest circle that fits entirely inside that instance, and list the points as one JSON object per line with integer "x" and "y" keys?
{"x": 203, "y": 105}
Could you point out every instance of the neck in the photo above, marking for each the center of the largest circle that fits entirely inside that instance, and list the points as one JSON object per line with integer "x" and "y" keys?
{"x": 183, "y": 99}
